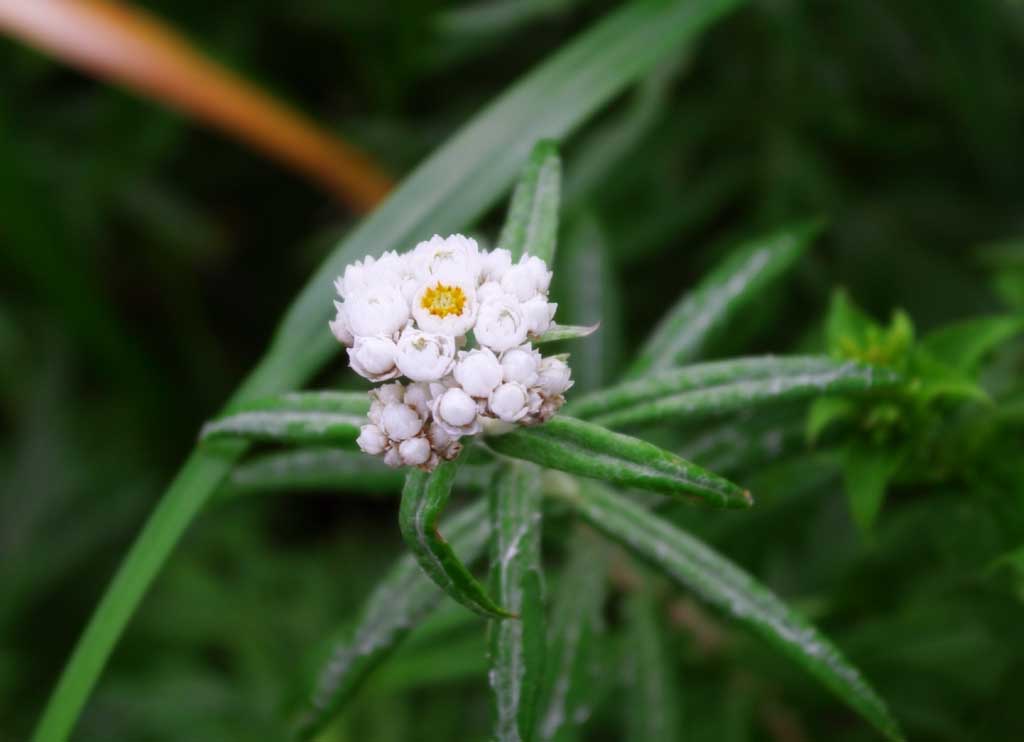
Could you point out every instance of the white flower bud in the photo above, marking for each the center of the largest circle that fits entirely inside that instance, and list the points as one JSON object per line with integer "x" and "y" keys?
{"x": 527, "y": 278}
{"x": 509, "y": 401}
{"x": 489, "y": 291}
{"x": 372, "y": 440}
{"x": 387, "y": 394}
{"x": 478, "y": 372}
{"x": 414, "y": 451}
{"x": 339, "y": 325}
{"x": 539, "y": 271}
{"x": 401, "y": 421}
{"x": 495, "y": 264}
{"x": 554, "y": 376}
{"x": 373, "y": 358}
{"x": 378, "y": 309}
{"x": 539, "y": 313}
{"x": 418, "y": 396}
{"x": 519, "y": 282}
{"x": 442, "y": 257}
{"x": 456, "y": 412}
{"x": 521, "y": 365}
{"x": 392, "y": 457}
{"x": 500, "y": 324}
{"x": 424, "y": 356}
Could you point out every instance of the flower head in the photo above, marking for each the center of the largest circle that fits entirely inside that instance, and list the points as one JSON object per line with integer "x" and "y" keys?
{"x": 409, "y": 314}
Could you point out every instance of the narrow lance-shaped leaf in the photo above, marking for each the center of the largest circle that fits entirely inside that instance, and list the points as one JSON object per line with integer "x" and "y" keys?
{"x": 455, "y": 185}
{"x": 652, "y": 712}
{"x": 836, "y": 378}
{"x": 532, "y": 222}
{"x": 963, "y": 345}
{"x": 732, "y": 285}
{"x": 867, "y": 471}
{"x": 590, "y": 450}
{"x": 296, "y": 418}
{"x": 403, "y": 598}
{"x": 588, "y": 293}
{"x": 423, "y": 501}
{"x": 517, "y": 647}
{"x": 566, "y": 332}
{"x": 696, "y": 566}
{"x": 573, "y": 661}
{"x": 333, "y": 469}
{"x": 698, "y": 376}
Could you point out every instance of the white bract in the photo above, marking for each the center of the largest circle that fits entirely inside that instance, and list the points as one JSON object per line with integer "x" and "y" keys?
{"x": 424, "y": 356}
{"x": 373, "y": 358}
{"x": 410, "y": 314}
{"x": 501, "y": 324}
{"x": 509, "y": 402}
{"x": 478, "y": 372}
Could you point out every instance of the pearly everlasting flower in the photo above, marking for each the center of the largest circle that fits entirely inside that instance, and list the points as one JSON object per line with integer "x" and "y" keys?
{"x": 446, "y": 306}
{"x": 554, "y": 376}
{"x": 539, "y": 314}
{"x": 495, "y": 264}
{"x": 447, "y": 257}
{"x": 527, "y": 278}
{"x": 488, "y": 291}
{"x": 478, "y": 372}
{"x": 521, "y": 364}
{"x": 446, "y": 445}
{"x": 509, "y": 402}
{"x": 414, "y": 451}
{"x": 456, "y": 413}
{"x": 400, "y": 421}
{"x": 373, "y": 358}
{"x": 501, "y": 324}
{"x": 411, "y": 315}
{"x": 372, "y": 440}
{"x": 419, "y": 396}
{"x": 377, "y": 309}
{"x": 339, "y": 325}
{"x": 424, "y": 356}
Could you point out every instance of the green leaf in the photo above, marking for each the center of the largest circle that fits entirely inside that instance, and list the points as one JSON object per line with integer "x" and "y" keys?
{"x": 576, "y": 625}
{"x": 738, "y": 280}
{"x": 401, "y": 600}
{"x": 590, "y": 450}
{"x": 963, "y": 345}
{"x": 450, "y": 189}
{"x": 296, "y": 419}
{"x": 423, "y": 500}
{"x": 333, "y": 469}
{"x": 867, "y": 471}
{"x": 828, "y": 411}
{"x": 732, "y": 374}
{"x": 853, "y": 335}
{"x": 653, "y": 702}
{"x": 531, "y": 226}
{"x": 697, "y": 567}
{"x": 636, "y": 403}
{"x": 566, "y": 332}
{"x": 586, "y": 286}
{"x": 517, "y": 648}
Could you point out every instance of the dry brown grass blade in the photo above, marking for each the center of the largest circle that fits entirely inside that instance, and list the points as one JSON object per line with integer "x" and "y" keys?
{"x": 126, "y": 45}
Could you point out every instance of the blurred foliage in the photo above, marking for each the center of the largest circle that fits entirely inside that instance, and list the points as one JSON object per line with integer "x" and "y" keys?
{"x": 145, "y": 261}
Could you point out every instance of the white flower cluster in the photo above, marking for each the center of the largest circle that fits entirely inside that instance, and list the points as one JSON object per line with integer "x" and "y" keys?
{"x": 409, "y": 315}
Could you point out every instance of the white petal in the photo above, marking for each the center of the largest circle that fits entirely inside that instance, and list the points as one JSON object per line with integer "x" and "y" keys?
{"x": 401, "y": 421}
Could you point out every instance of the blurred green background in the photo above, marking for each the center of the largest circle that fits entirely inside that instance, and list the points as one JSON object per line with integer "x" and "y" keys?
{"x": 144, "y": 261}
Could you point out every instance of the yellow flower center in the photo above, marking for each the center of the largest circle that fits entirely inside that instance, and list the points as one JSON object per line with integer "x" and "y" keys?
{"x": 442, "y": 300}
